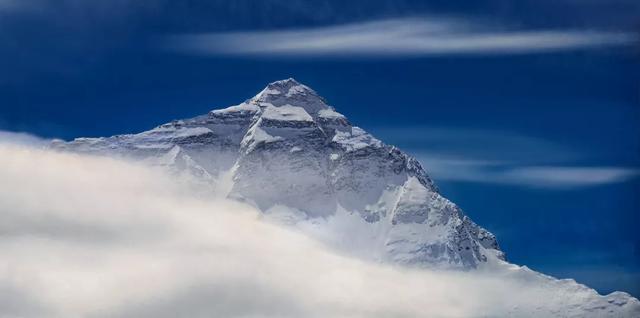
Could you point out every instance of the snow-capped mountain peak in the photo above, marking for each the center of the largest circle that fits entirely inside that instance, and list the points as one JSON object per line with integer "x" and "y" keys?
{"x": 291, "y": 155}
{"x": 290, "y": 92}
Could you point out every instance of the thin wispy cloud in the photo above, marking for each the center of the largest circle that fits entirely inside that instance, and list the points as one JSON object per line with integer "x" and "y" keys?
{"x": 567, "y": 177}
{"x": 397, "y": 37}
{"x": 502, "y": 157}
{"x": 547, "y": 177}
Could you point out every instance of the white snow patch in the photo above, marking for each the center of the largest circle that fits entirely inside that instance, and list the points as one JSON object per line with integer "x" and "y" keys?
{"x": 356, "y": 139}
{"x": 257, "y": 135}
{"x": 297, "y": 89}
{"x": 177, "y": 132}
{"x": 89, "y": 140}
{"x": 244, "y": 107}
{"x": 192, "y": 131}
{"x": 161, "y": 146}
{"x": 286, "y": 113}
{"x": 266, "y": 91}
{"x": 330, "y": 114}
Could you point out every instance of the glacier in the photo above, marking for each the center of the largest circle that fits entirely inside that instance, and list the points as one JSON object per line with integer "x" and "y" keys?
{"x": 290, "y": 154}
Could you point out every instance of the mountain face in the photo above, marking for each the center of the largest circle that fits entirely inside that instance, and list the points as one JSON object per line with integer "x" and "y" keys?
{"x": 290, "y": 154}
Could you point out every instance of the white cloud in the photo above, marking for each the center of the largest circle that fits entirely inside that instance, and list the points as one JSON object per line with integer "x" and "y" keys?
{"x": 509, "y": 173}
{"x": 20, "y": 138}
{"x": 568, "y": 177}
{"x": 93, "y": 237}
{"x": 397, "y": 37}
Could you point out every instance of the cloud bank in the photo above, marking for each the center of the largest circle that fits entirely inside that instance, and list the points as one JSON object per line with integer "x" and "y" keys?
{"x": 95, "y": 237}
{"x": 20, "y": 138}
{"x": 396, "y": 37}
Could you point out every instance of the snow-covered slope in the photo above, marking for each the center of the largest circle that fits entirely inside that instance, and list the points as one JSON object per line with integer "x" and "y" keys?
{"x": 290, "y": 154}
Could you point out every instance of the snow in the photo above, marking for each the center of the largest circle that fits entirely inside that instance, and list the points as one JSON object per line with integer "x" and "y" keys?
{"x": 154, "y": 146}
{"x": 259, "y": 135}
{"x": 179, "y": 132}
{"x": 286, "y": 113}
{"x": 256, "y": 135}
{"x": 265, "y": 92}
{"x": 244, "y": 107}
{"x": 289, "y": 92}
{"x": 330, "y": 114}
{"x": 298, "y": 89}
{"x": 89, "y": 140}
{"x": 265, "y": 104}
{"x": 168, "y": 158}
{"x": 195, "y": 131}
{"x": 355, "y": 139}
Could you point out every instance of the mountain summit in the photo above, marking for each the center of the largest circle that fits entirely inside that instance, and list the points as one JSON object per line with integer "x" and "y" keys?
{"x": 290, "y": 92}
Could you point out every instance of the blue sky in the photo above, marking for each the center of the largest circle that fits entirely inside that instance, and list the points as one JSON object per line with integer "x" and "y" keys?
{"x": 527, "y": 113}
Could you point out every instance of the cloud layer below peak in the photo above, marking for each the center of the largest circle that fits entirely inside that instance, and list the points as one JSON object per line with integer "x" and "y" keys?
{"x": 94, "y": 237}
{"x": 395, "y": 37}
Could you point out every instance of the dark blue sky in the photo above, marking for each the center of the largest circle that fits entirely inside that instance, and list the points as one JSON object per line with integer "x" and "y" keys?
{"x": 540, "y": 146}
